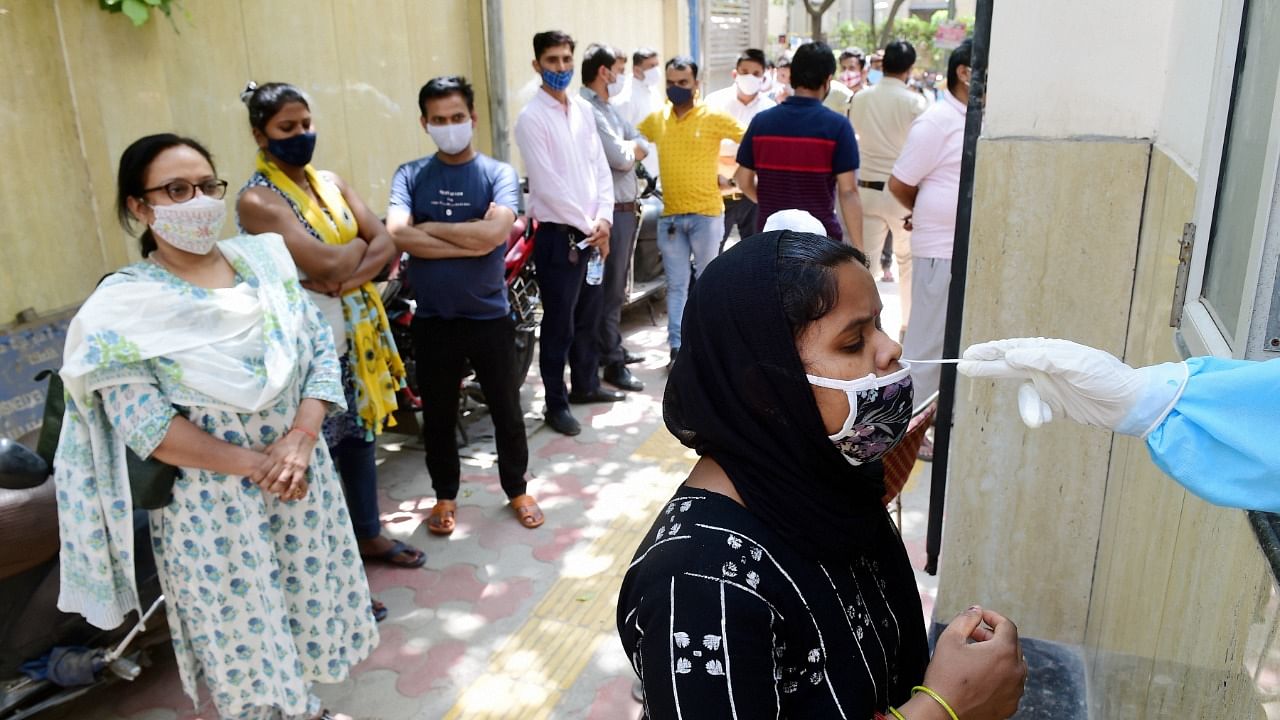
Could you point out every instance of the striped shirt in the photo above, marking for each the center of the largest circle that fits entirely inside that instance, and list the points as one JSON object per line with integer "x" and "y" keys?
{"x": 721, "y": 619}
{"x": 796, "y": 150}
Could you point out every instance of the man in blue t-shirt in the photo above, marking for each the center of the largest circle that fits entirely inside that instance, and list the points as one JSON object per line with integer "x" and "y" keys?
{"x": 453, "y": 212}
{"x": 801, "y": 155}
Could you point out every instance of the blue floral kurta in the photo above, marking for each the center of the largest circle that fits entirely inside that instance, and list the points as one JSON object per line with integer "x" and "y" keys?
{"x": 264, "y": 596}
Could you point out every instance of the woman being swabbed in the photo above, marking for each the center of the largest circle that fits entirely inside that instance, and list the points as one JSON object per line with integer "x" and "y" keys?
{"x": 774, "y": 584}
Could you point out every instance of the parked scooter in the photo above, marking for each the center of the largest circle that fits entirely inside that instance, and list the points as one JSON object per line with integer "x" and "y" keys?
{"x": 48, "y": 657}
{"x": 647, "y": 277}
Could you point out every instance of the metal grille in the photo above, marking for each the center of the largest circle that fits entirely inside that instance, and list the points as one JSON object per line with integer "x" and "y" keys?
{"x": 728, "y": 33}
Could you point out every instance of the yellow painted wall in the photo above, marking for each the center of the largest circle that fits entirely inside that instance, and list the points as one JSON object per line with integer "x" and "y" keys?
{"x": 81, "y": 84}
{"x": 89, "y": 83}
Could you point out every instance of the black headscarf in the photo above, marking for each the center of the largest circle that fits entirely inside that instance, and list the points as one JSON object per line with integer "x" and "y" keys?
{"x": 738, "y": 394}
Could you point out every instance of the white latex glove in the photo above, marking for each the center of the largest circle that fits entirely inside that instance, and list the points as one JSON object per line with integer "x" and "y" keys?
{"x": 1087, "y": 385}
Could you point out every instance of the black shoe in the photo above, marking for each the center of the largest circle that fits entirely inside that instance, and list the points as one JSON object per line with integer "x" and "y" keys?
{"x": 562, "y": 421}
{"x": 631, "y": 358}
{"x": 620, "y": 377}
{"x": 672, "y": 363}
{"x": 599, "y": 395}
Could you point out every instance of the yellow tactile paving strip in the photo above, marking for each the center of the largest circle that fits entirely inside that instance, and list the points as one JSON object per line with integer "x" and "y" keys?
{"x": 527, "y": 677}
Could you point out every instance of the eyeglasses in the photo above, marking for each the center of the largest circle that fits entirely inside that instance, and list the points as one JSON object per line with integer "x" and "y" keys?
{"x": 182, "y": 191}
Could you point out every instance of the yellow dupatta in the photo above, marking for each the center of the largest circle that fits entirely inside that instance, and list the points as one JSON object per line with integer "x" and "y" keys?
{"x": 374, "y": 361}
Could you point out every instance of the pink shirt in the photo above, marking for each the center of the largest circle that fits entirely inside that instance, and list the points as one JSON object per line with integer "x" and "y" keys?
{"x": 569, "y": 177}
{"x": 930, "y": 160}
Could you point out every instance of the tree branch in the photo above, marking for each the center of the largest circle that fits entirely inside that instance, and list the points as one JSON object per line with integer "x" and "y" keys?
{"x": 887, "y": 30}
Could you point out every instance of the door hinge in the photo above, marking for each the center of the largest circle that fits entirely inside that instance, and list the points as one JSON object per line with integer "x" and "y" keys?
{"x": 1185, "y": 247}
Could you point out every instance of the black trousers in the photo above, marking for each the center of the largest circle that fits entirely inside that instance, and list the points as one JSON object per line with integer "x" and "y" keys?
{"x": 740, "y": 213}
{"x": 441, "y": 347}
{"x": 571, "y": 311}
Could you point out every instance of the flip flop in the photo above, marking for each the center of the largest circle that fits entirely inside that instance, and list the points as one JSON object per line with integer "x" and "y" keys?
{"x": 527, "y": 511}
{"x": 397, "y": 549}
{"x": 380, "y": 611}
{"x": 441, "y": 520}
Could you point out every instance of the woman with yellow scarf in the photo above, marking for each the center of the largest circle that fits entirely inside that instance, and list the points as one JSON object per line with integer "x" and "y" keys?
{"x": 339, "y": 246}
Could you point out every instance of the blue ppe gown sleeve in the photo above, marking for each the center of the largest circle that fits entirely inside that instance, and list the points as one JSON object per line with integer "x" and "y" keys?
{"x": 1222, "y": 439}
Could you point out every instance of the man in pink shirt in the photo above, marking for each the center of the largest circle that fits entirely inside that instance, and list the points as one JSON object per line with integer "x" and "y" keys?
{"x": 926, "y": 180}
{"x": 571, "y": 198}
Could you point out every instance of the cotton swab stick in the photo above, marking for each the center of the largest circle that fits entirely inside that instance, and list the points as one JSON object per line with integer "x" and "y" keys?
{"x": 945, "y": 361}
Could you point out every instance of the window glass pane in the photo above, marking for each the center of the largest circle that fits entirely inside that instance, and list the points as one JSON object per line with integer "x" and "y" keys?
{"x": 1240, "y": 185}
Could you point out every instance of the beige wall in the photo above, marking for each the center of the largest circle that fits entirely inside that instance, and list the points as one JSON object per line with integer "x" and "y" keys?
{"x": 1180, "y": 585}
{"x": 1071, "y": 531}
{"x": 81, "y": 84}
{"x": 1051, "y": 254}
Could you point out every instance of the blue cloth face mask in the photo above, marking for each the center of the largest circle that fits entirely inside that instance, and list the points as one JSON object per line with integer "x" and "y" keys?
{"x": 678, "y": 95}
{"x": 557, "y": 81}
{"x": 879, "y": 412}
{"x": 295, "y": 150}
{"x": 874, "y": 76}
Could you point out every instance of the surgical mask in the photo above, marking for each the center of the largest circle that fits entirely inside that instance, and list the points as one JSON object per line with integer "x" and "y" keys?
{"x": 557, "y": 81}
{"x": 875, "y": 76}
{"x": 615, "y": 87}
{"x": 879, "y": 413}
{"x": 748, "y": 84}
{"x": 295, "y": 150}
{"x": 678, "y": 95}
{"x": 191, "y": 226}
{"x": 451, "y": 139}
{"x": 652, "y": 75}
{"x": 850, "y": 77}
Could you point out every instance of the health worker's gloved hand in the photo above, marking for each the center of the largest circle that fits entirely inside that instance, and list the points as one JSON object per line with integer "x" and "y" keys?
{"x": 1087, "y": 385}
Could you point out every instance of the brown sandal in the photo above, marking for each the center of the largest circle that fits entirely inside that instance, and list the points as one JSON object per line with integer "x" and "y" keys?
{"x": 441, "y": 520}
{"x": 527, "y": 511}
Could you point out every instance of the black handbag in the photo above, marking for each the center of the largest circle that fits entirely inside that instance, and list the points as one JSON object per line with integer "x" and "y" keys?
{"x": 150, "y": 481}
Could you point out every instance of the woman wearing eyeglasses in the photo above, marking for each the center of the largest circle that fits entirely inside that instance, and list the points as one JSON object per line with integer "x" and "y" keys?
{"x": 208, "y": 356}
{"x": 339, "y": 246}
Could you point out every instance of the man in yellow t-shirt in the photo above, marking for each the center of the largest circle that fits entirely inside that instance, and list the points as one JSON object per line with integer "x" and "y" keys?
{"x": 688, "y": 136}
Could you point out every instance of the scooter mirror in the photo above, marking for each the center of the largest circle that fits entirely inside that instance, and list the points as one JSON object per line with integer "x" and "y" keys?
{"x": 20, "y": 467}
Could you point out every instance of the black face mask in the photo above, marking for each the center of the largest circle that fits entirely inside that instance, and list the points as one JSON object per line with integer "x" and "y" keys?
{"x": 295, "y": 150}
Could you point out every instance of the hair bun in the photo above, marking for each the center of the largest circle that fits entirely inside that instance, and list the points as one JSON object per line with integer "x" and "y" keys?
{"x": 247, "y": 93}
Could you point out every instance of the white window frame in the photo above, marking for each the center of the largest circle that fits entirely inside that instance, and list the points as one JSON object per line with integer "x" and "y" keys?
{"x": 1199, "y": 330}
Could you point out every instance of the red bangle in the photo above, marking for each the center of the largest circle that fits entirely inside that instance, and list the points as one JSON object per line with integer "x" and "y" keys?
{"x": 314, "y": 437}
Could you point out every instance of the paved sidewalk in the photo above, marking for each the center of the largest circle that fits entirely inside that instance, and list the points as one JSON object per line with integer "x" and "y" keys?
{"x": 506, "y": 622}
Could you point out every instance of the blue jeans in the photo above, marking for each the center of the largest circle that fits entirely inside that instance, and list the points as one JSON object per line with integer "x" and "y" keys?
{"x": 680, "y": 236}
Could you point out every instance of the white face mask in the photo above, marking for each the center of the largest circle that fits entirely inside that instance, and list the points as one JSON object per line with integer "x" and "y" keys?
{"x": 651, "y": 76}
{"x": 451, "y": 139}
{"x": 190, "y": 226}
{"x": 615, "y": 87}
{"x": 748, "y": 84}
{"x": 879, "y": 413}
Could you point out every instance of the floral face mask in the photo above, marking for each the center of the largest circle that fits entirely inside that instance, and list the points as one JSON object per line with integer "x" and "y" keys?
{"x": 879, "y": 413}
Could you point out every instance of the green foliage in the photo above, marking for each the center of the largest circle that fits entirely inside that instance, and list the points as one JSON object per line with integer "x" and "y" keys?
{"x": 139, "y": 11}
{"x": 918, "y": 32}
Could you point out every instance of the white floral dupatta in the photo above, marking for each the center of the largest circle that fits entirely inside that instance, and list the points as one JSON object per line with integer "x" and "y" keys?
{"x": 234, "y": 349}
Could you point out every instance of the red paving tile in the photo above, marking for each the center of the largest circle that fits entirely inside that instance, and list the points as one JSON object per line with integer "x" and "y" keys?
{"x": 613, "y": 701}
{"x": 418, "y": 669}
{"x": 564, "y": 539}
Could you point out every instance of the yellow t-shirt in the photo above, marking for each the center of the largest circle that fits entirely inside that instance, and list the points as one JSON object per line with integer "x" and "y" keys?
{"x": 688, "y": 157}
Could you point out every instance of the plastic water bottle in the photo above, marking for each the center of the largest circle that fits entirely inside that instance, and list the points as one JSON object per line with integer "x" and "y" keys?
{"x": 595, "y": 268}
